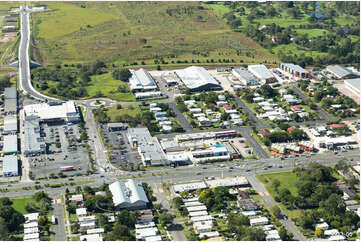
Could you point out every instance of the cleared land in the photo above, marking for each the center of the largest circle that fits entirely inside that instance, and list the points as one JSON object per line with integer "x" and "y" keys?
{"x": 126, "y": 32}
{"x": 114, "y": 114}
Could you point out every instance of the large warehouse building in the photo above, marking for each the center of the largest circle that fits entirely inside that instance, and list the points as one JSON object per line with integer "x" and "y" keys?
{"x": 262, "y": 73}
{"x": 54, "y": 112}
{"x": 340, "y": 72}
{"x": 33, "y": 143}
{"x": 245, "y": 77}
{"x": 10, "y": 100}
{"x": 142, "y": 81}
{"x": 353, "y": 85}
{"x": 128, "y": 195}
{"x": 198, "y": 79}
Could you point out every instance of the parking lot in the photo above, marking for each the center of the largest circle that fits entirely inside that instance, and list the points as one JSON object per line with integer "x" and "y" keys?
{"x": 63, "y": 149}
{"x": 121, "y": 153}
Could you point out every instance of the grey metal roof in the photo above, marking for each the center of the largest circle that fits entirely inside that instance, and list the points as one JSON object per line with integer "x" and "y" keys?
{"x": 354, "y": 83}
{"x": 32, "y": 140}
{"x": 10, "y": 105}
{"x": 260, "y": 71}
{"x": 10, "y": 124}
{"x": 116, "y": 125}
{"x": 10, "y": 164}
{"x": 10, "y": 93}
{"x": 244, "y": 74}
{"x": 127, "y": 193}
{"x": 339, "y": 71}
{"x": 141, "y": 79}
{"x": 294, "y": 67}
{"x": 195, "y": 77}
{"x": 10, "y": 143}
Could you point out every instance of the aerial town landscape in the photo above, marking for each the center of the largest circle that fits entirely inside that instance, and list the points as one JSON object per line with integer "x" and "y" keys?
{"x": 180, "y": 121}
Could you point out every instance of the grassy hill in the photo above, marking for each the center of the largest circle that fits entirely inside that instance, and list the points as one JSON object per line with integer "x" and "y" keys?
{"x": 128, "y": 32}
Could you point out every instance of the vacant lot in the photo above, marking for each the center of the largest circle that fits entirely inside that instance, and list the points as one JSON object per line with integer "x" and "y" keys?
{"x": 128, "y": 32}
{"x": 109, "y": 88}
{"x": 20, "y": 203}
{"x": 114, "y": 113}
{"x": 287, "y": 179}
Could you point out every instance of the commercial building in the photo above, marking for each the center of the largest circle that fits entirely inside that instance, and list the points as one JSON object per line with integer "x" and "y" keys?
{"x": 10, "y": 165}
{"x": 353, "y": 85}
{"x": 116, "y": 126}
{"x": 54, "y": 112}
{"x": 10, "y": 100}
{"x": 141, "y": 81}
{"x": 340, "y": 72}
{"x": 33, "y": 143}
{"x": 245, "y": 77}
{"x": 205, "y": 135}
{"x": 215, "y": 153}
{"x": 295, "y": 70}
{"x": 238, "y": 181}
{"x": 128, "y": 195}
{"x": 262, "y": 73}
{"x": 10, "y": 144}
{"x": 10, "y": 125}
{"x": 198, "y": 79}
{"x": 179, "y": 158}
{"x": 148, "y": 147}
{"x": 189, "y": 186}
{"x": 147, "y": 95}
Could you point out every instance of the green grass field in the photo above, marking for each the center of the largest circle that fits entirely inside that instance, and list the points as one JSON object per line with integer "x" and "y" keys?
{"x": 124, "y": 32}
{"x": 109, "y": 87}
{"x": 113, "y": 112}
{"x": 288, "y": 180}
{"x": 20, "y": 203}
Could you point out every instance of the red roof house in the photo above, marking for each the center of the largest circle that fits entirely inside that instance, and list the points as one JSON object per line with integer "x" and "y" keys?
{"x": 296, "y": 108}
{"x": 336, "y": 126}
{"x": 227, "y": 107}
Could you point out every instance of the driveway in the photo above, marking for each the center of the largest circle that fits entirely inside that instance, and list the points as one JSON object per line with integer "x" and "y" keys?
{"x": 180, "y": 117}
{"x": 59, "y": 228}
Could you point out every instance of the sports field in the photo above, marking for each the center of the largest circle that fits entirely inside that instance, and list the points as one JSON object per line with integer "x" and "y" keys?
{"x": 127, "y": 32}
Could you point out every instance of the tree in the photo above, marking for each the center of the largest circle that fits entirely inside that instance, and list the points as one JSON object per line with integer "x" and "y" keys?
{"x": 276, "y": 211}
{"x": 284, "y": 235}
{"x": 165, "y": 219}
{"x": 319, "y": 232}
{"x": 122, "y": 75}
{"x": 42, "y": 220}
{"x": 3, "y": 229}
{"x": 177, "y": 202}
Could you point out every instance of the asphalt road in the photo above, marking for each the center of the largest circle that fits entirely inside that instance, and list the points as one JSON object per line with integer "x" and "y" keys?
{"x": 59, "y": 228}
{"x": 288, "y": 224}
{"x": 319, "y": 110}
{"x": 180, "y": 117}
{"x": 259, "y": 124}
{"x": 24, "y": 61}
{"x": 246, "y": 133}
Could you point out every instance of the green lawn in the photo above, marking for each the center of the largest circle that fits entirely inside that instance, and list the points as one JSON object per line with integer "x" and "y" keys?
{"x": 20, "y": 203}
{"x": 292, "y": 49}
{"x": 113, "y": 112}
{"x": 288, "y": 180}
{"x": 312, "y": 32}
{"x": 109, "y": 87}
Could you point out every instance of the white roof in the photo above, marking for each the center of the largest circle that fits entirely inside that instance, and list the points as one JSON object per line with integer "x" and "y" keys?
{"x": 81, "y": 211}
{"x": 354, "y": 83}
{"x": 201, "y": 218}
{"x": 203, "y": 224}
{"x": 31, "y": 217}
{"x": 331, "y": 232}
{"x": 91, "y": 237}
{"x": 10, "y": 124}
{"x": 249, "y": 213}
{"x": 337, "y": 238}
{"x": 86, "y": 219}
{"x": 154, "y": 238}
{"x": 10, "y": 143}
{"x": 323, "y": 225}
{"x": 209, "y": 234}
{"x": 30, "y": 225}
{"x": 258, "y": 220}
{"x": 45, "y": 111}
{"x": 141, "y": 79}
{"x": 10, "y": 164}
{"x": 127, "y": 193}
{"x": 294, "y": 67}
{"x": 260, "y": 71}
{"x": 31, "y": 230}
{"x": 145, "y": 225}
{"x": 197, "y": 208}
{"x": 31, "y": 236}
{"x": 95, "y": 231}
{"x": 189, "y": 186}
{"x": 76, "y": 197}
{"x": 195, "y": 77}
{"x": 227, "y": 182}
{"x": 198, "y": 213}
{"x": 192, "y": 204}
{"x": 87, "y": 224}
